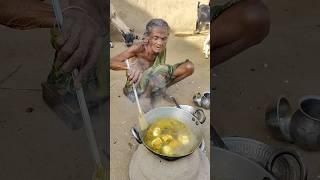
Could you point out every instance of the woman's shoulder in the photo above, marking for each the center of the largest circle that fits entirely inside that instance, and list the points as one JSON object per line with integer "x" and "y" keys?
{"x": 137, "y": 47}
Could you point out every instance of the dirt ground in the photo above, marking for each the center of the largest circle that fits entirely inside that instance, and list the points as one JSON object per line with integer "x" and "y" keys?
{"x": 286, "y": 62}
{"x": 37, "y": 145}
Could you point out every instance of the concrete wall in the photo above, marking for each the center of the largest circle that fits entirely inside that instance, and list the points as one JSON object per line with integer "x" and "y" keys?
{"x": 180, "y": 14}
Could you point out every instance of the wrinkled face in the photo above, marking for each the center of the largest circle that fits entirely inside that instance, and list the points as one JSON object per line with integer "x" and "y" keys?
{"x": 157, "y": 39}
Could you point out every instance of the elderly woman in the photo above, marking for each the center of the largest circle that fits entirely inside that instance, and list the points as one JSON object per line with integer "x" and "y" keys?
{"x": 149, "y": 70}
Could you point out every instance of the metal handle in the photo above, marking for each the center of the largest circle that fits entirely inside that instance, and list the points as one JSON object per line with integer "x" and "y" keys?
{"x": 175, "y": 102}
{"x": 80, "y": 96}
{"x": 199, "y": 114}
{"x": 135, "y": 90}
{"x": 136, "y": 135}
{"x": 202, "y": 146}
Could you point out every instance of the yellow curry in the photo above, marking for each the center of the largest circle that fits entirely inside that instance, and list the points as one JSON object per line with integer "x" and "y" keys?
{"x": 169, "y": 137}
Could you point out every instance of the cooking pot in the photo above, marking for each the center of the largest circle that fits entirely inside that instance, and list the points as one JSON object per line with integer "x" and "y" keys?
{"x": 305, "y": 123}
{"x": 181, "y": 115}
{"x": 278, "y": 118}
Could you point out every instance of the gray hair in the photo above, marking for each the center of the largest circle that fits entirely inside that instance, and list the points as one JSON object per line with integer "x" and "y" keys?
{"x": 156, "y": 23}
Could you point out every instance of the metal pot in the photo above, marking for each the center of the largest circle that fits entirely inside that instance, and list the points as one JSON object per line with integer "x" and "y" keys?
{"x": 278, "y": 116}
{"x": 205, "y": 100}
{"x": 181, "y": 115}
{"x": 305, "y": 123}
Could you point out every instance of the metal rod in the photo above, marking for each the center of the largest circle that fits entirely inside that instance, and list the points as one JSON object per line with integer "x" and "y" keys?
{"x": 175, "y": 102}
{"x": 134, "y": 89}
{"x": 80, "y": 96}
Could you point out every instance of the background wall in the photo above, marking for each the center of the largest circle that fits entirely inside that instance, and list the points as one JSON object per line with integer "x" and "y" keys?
{"x": 180, "y": 14}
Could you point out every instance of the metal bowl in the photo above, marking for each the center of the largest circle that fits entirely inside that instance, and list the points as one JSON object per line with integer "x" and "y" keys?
{"x": 305, "y": 123}
{"x": 228, "y": 165}
{"x": 202, "y": 100}
{"x": 278, "y": 117}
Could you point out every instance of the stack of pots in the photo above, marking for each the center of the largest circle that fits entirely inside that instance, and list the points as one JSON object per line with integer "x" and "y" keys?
{"x": 301, "y": 127}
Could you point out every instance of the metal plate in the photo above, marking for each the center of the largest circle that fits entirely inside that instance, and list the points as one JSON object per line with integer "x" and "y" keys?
{"x": 226, "y": 165}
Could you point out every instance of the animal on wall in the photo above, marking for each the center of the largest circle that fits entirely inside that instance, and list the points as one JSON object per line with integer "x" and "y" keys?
{"x": 127, "y": 33}
{"x": 203, "y": 21}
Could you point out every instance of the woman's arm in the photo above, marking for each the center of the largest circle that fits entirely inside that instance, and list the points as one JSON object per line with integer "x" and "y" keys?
{"x": 118, "y": 62}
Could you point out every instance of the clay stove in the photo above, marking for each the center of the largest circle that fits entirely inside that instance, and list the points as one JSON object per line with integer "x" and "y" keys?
{"x": 146, "y": 166}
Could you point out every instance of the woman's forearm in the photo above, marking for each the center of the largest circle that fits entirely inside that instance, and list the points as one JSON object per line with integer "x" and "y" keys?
{"x": 117, "y": 64}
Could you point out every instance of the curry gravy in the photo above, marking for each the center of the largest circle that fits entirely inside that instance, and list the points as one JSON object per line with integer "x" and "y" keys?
{"x": 169, "y": 137}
